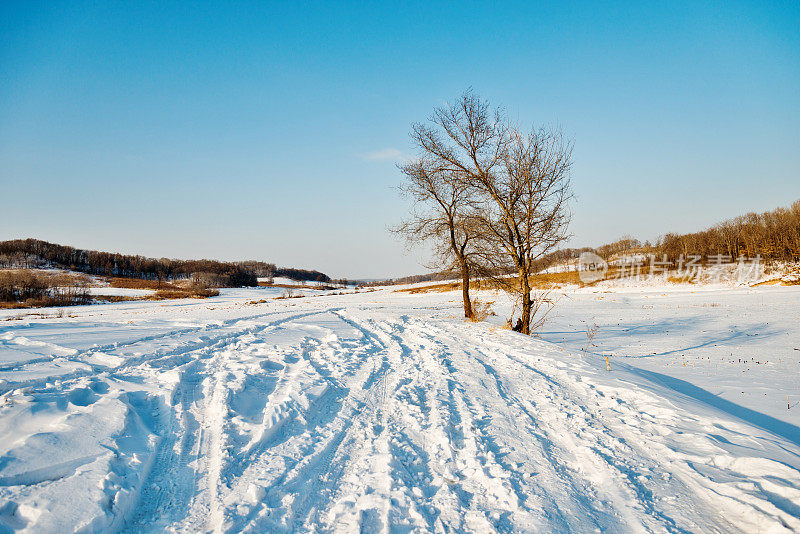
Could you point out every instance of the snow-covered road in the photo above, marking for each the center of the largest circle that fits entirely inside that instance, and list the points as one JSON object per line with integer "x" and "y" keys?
{"x": 370, "y": 412}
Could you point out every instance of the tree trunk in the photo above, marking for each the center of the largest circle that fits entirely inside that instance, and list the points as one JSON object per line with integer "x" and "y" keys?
{"x": 526, "y": 313}
{"x": 468, "y": 313}
{"x": 523, "y": 325}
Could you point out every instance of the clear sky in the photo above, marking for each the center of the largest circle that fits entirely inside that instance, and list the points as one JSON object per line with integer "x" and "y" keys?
{"x": 271, "y": 131}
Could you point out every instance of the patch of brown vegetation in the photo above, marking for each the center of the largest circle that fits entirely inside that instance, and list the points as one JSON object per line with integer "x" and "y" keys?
{"x": 481, "y": 310}
{"x": 538, "y": 281}
{"x": 24, "y": 288}
{"x": 437, "y": 288}
{"x": 773, "y": 282}
{"x": 290, "y": 286}
{"x": 183, "y": 293}
{"x": 778, "y": 282}
{"x": 113, "y": 298}
{"x": 550, "y": 280}
{"x": 685, "y": 279}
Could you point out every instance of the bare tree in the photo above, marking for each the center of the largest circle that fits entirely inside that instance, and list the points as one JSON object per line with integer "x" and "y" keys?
{"x": 522, "y": 213}
{"x": 464, "y": 140}
{"x": 439, "y": 218}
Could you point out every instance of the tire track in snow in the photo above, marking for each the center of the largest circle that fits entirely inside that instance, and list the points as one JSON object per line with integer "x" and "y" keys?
{"x": 364, "y": 432}
{"x": 181, "y": 350}
{"x": 424, "y": 425}
{"x": 409, "y": 474}
{"x": 449, "y": 493}
{"x": 168, "y": 487}
{"x": 629, "y": 458}
{"x": 174, "y": 477}
{"x": 319, "y": 453}
{"x": 560, "y": 406}
{"x": 496, "y": 504}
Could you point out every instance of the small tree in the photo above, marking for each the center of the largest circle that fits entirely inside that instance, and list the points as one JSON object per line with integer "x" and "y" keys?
{"x": 522, "y": 213}
{"x": 462, "y": 142}
{"x": 439, "y": 217}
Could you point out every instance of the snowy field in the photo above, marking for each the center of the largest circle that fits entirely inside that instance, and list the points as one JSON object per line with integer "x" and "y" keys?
{"x": 383, "y": 411}
{"x": 740, "y": 345}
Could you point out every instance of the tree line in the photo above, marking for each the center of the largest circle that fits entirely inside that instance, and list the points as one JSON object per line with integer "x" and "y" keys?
{"x": 772, "y": 235}
{"x": 415, "y": 279}
{"x": 269, "y": 270}
{"x": 34, "y": 253}
{"x": 302, "y": 275}
{"x": 489, "y": 198}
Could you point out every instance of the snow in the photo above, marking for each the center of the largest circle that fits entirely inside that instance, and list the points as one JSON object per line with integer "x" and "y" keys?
{"x": 741, "y": 345}
{"x": 120, "y": 292}
{"x": 380, "y": 410}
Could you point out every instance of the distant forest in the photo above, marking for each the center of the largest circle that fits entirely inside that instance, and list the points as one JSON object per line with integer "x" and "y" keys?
{"x": 772, "y": 235}
{"x": 415, "y": 279}
{"x": 34, "y": 253}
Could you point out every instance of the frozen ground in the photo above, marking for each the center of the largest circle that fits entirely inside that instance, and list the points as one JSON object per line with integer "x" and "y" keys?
{"x": 384, "y": 411}
{"x": 741, "y": 345}
{"x": 119, "y": 292}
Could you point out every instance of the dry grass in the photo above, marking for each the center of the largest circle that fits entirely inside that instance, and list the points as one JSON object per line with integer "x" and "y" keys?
{"x": 30, "y": 303}
{"x": 542, "y": 281}
{"x": 773, "y": 282}
{"x": 113, "y": 298}
{"x": 436, "y": 288}
{"x": 551, "y": 280}
{"x": 779, "y": 282}
{"x": 191, "y": 292}
{"x": 481, "y": 310}
{"x": 291, "y": 286}
{"x": 538, "y": 281}
{"x": 298, "y": 286}
{"x": 181, "y": 289}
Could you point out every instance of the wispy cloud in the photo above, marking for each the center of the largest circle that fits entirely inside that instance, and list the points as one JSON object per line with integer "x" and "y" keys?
{"x": 385, "y": 154}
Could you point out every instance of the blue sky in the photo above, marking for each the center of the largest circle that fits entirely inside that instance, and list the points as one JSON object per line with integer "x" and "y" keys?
{"x": 271, "y": 131}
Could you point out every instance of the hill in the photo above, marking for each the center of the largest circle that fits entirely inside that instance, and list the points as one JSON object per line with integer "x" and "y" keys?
{"x": 35, "y": 253}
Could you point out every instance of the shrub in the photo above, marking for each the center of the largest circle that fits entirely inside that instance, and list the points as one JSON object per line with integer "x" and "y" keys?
{"x": 189, "y": 292}
{"x": 481, "y": 310}
{"x": 28, "y": 289}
